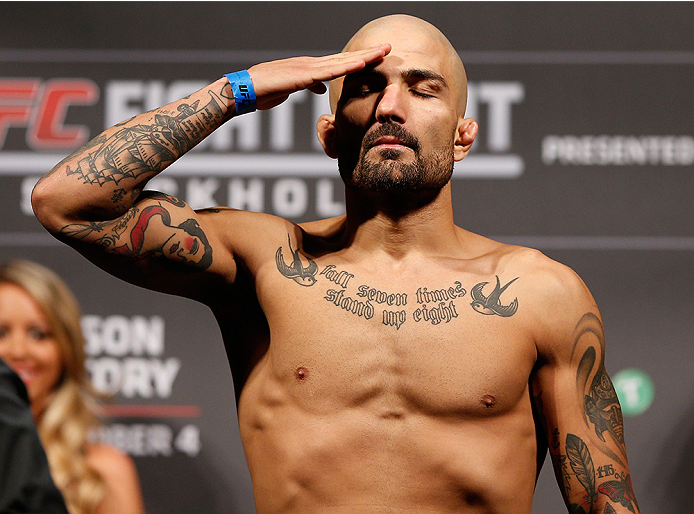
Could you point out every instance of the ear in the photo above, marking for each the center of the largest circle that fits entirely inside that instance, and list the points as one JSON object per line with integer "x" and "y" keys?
{"x": 327, "y": 135}
{"x": 465, "y": 136}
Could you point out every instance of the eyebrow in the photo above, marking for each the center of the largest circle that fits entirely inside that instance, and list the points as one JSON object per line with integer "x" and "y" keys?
{"x": 418, "y": 73}
{"x": 412, "y": 73}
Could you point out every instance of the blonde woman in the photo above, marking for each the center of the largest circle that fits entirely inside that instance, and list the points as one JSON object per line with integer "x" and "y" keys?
{"x": 41, "y": 340}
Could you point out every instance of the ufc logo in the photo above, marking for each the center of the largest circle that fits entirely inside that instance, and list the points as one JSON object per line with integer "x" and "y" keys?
{"x": 41, "y": 107}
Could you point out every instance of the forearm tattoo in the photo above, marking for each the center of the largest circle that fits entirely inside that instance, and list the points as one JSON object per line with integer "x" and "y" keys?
{"x": 593, "y": 478}
{"x": 577, "y": 468}
{"x": 425, "y": 304}
{"x": 139, "y": 149}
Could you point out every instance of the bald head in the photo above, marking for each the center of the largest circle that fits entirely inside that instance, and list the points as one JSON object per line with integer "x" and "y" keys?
{"x": 397, "y": 29}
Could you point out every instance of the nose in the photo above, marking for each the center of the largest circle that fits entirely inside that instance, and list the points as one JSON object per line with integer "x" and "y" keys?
{"x": 391, "y": 105}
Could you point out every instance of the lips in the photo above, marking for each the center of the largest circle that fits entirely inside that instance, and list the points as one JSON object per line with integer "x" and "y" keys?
{"x": 390, "y": 141}
{"x": 26, "y": 374}
{"x": 391, "y": 134}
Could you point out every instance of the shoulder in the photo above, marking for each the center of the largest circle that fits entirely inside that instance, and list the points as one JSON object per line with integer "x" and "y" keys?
{"x": 545, "y": 275}
{"x": 109, "y": 461}
{"x": 558, "y": 299}
{"x": 123, "y": 492}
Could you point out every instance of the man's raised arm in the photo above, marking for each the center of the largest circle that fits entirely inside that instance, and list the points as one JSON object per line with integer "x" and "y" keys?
{"x": 94, "y": 200}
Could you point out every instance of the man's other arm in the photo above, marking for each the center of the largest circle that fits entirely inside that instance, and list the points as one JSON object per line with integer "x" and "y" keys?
{"x": 577, "y": 405}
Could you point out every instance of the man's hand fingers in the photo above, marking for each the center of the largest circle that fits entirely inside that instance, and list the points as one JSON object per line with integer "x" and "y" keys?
{"x": 343, "y": 63}
{"x": 274, "y": 81}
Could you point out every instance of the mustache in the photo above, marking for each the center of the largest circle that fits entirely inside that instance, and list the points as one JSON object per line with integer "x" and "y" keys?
{"x": 391, "y": 129}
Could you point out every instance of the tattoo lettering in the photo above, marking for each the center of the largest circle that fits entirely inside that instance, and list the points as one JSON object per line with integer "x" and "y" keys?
{"x": 118, "y": 195}
{"x": 620, "y": 491}
{"x": 442, "y": 312}
{"x": 397, "y": 299}
{"x": 560, "y": 460}
{"x": 491, "y": 304}
{"x": 394, "y": 318}
{"x": 606, "y": 471}
{"x": 437, "y": 314}
{"x": 139, "y": 149}
{"x": 438, "y": 295}
{"x": 362, "y": 309}
{"x": 109, "y": 240}
{"x": 304, "y": 276}
{"x": 555, "y": 440}
{"x": 582, "y": 465}
{"x": 370, "y": 295}
{"x": 390, "y": 318}
{"x": 341, "y": 278}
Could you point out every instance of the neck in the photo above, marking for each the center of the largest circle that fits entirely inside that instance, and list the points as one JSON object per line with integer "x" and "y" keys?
{"x": 398, "y": 224}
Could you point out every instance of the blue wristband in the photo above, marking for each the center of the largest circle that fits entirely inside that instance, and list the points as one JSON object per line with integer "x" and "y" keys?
{"x": 242, "y": 88}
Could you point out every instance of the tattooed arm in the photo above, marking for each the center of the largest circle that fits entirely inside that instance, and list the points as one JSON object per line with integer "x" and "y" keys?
{"x": 94, "y": 200}
{"x": 578, "y": 407}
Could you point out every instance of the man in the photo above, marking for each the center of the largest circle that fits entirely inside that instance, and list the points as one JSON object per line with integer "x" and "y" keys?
{"x": 26, "y": 485}
{"x": 387, "y": 360}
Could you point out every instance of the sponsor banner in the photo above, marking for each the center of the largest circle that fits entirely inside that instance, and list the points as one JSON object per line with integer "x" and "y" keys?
{"x": 271, "y": 161}
{"x": 40, "y": 109}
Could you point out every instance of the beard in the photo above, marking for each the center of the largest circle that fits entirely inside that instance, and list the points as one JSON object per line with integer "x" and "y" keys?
{"x": 388, "y": 174}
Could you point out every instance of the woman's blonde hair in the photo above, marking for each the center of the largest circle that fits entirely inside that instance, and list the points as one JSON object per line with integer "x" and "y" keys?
{"x": 70, "y": 415}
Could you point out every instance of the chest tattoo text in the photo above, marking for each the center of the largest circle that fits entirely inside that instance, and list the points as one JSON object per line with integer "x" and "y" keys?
{"x": 432, "y": 305}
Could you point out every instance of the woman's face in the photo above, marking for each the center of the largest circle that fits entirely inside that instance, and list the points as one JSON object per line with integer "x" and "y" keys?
{"x": 27, "y": 344}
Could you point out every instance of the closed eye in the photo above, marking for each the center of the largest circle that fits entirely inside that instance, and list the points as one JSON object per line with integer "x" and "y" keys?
{"x": 421, "y": 94}
{"x": 364, "y": 91}
{"x": 363, "y": 83}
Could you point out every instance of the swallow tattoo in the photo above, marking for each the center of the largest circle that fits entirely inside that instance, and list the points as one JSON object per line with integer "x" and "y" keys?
{"x": 296, "y": 271}
{"x": 489, "y": 305}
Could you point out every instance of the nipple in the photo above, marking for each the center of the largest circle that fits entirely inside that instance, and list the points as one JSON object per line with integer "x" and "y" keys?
{"x": 301, "y": 373}
{"x": 488, "y": 401}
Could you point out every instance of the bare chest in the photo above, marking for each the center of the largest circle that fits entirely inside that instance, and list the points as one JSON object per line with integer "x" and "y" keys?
{"x": 436, "y": 341}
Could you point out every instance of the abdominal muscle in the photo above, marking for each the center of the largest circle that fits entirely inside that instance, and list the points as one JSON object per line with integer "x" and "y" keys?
{"x": 382, "y": 453}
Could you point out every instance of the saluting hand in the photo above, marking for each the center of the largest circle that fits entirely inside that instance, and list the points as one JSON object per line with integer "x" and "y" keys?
{"x": 274, "y": 81}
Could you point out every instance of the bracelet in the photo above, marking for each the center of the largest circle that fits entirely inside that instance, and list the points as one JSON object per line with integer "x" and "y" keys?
{"x": 242, "y": 88}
